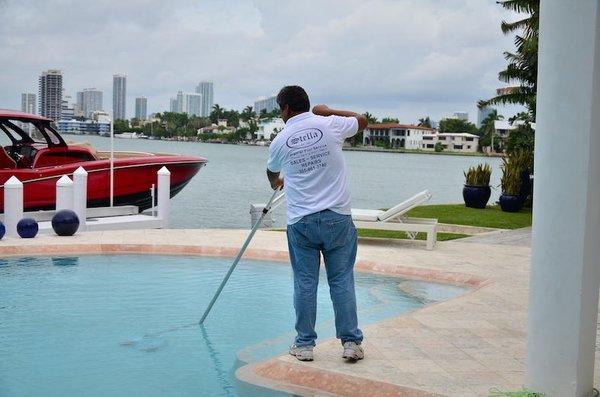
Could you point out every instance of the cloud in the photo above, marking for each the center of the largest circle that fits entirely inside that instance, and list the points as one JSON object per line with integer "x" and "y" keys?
{"x": 390, "y": 57}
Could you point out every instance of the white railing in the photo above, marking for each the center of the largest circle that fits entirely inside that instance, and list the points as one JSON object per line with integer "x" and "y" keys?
{"x": 72, "y": 194}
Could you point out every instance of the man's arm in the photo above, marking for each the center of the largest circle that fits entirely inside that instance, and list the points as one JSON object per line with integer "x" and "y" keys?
{"x": 324, "y": 110}
{"x": 274, "y": 179}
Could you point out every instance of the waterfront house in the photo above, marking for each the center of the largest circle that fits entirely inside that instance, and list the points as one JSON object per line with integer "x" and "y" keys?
{"x": 220, "y": 128}
{"x": 452, "y": 142}
{"x": 396, "y": 135}
{"x": 503, "y": 128}
{"x": 269, "y": 128}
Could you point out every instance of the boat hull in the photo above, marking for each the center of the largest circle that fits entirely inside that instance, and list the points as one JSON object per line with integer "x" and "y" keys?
{"x": 133, "y": 179}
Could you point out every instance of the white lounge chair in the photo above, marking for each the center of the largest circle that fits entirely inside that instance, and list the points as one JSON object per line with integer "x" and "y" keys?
{"x": 395, "y": 219}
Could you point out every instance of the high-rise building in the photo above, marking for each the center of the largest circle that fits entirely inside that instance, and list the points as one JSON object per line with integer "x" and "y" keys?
{"x": 482, "y": 113}
{"x": 187, "y": 103}
{"x": 28, "y": 103}
{"x": 205, "y": 88}
{"x": 50, "y": 94}
{"x": 67, "y": 109}
{"x": 141, "y": 105}
{"x": 194, "y": 104}
{"x": 266, "y": 104}
{"x": 119, "y": 96}
{"x": 173, "y": 105}
{"x": 461, "y": 116}
{"x": 89, "y": 100}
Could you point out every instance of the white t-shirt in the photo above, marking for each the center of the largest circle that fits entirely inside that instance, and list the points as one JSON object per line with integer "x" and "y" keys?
{"x": 309, "y": 153}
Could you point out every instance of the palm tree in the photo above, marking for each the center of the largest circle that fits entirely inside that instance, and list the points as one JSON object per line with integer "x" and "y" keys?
{"x": 247, "y": 114}
{"x": 522, "y": 64}
{"x": 425, "y": 122}
{"x": 488, "y": 127}
{"x": 217, "y": 113}
{"x": 370, "y": 118}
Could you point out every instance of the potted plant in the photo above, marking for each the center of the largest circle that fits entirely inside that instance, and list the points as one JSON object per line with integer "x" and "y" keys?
{"x": 524, "y": 161}
{"x": 511, "y": 182}
{"x": 477, "y": 191}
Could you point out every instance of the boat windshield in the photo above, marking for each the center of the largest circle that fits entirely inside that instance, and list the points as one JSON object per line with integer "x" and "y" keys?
{"x": 26, "y": 131}
{"x": 21, "y": 131}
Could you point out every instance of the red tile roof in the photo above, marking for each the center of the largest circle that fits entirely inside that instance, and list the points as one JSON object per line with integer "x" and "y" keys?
{"x": 389, "y": 126}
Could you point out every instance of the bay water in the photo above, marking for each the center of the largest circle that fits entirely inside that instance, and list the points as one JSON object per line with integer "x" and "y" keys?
{"x": 219, "y": 196}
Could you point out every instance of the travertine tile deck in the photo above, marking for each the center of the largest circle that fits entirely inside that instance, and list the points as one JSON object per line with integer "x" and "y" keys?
{"x": 461, "y": 347}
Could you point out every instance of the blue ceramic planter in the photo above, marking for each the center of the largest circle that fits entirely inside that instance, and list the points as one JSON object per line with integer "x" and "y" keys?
{"x": 510, "y": 203}
{"x": 525, "y": 186}
{"x": 476, "y": 196}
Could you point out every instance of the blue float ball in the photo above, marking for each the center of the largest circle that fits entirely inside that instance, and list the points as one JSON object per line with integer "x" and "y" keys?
{"x": 65, "y": 223}
{"x": 27, "y": 228}
{"x": 2, "y": 230}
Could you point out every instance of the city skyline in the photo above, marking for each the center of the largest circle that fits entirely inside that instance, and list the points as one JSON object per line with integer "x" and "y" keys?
{"x": 423, "y": 66}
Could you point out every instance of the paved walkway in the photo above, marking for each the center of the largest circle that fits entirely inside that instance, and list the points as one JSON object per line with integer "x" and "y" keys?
{"x": 520, "y": 237}
{"x": 461, "y": 347}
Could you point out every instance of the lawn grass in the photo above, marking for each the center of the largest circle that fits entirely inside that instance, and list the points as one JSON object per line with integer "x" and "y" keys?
{"x": 402, "y": 235}
{"x": 458, "y": 214}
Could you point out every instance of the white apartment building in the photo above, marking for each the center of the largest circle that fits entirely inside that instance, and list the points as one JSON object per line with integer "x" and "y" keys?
{"x": 397, "y": 135}
{"x": 267, "y": 129}
{"x": 451, "y": 142}
{"x": 186, "y": 102}
{"x": 89, "y": 100}
{"x": 266, "y": 104}
{"x": 205, "y": 88}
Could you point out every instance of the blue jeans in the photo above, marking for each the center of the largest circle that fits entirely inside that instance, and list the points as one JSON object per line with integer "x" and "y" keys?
{"x": 333, "y": 235}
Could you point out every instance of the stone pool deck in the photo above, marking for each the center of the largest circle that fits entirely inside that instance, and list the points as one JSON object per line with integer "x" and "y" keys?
{"x": 461, "y": 347}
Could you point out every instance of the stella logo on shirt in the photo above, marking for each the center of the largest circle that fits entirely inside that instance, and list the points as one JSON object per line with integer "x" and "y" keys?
{"x": 304, "y": 138}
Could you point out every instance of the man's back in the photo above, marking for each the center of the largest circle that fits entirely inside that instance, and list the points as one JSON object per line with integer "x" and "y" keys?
{"x": 309, "y": 153}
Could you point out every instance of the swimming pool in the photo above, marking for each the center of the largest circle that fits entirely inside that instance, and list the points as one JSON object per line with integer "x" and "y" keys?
{"x": 124, "y": 325}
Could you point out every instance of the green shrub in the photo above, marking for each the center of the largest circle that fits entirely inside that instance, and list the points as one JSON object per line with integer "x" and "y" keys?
{"x": 438, "y": 147}
{"x": 478, "y": 176}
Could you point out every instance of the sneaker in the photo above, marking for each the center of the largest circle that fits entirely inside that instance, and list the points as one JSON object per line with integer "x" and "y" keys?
{"x": 353, "y": 351}
{"x": 302, "y": 353}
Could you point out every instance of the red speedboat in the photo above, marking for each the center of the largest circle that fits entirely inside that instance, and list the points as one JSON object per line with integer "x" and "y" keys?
{"x": 37, "y": 155}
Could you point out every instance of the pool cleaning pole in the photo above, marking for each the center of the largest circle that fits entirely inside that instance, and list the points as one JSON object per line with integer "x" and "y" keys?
{"x": 265, "y": 211}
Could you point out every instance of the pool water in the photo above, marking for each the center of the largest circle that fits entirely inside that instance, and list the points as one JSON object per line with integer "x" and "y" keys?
{"x": 126, "y": 325}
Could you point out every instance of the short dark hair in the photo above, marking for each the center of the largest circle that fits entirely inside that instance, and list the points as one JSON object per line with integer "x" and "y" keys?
{"x": 295, "y": 97}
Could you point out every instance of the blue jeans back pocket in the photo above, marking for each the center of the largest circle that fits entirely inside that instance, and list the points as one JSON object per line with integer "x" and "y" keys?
{"x": 341, "y": 231}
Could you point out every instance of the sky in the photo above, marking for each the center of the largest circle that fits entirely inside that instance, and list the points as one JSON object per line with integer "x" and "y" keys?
{"x": 397, "y": 58}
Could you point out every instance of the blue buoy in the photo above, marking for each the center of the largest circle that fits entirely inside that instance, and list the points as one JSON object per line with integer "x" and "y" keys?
{"x": 27, "y": 228}
{"x": 65, "y": 223}
{"x": 2, "y": 230}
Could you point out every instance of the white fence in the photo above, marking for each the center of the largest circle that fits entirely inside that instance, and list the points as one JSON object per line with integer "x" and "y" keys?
{"x": 72, "y": 194}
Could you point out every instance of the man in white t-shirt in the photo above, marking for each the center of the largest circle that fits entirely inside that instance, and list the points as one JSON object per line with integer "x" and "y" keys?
{"x": 307, "y": 154}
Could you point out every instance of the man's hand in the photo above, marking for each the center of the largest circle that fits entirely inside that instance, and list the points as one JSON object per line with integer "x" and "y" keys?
{"x": 324, "y": 110}
{"x": 277, "y": 184}
{"x": 275, "y": 179}
{"x": 321, "y": 110}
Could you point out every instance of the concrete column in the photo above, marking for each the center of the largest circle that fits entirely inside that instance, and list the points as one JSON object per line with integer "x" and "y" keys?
{"x": 64, "y": 193}
{"x": 13, "y": 205}
{"x": 566, "y": 220}
{"x": 164, "y": 194}
{"x": 80, "y": 195}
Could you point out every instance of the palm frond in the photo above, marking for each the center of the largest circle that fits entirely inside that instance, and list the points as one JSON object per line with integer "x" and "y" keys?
{"x": 509, "y": 27}
{"x": 520, "y": 6}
